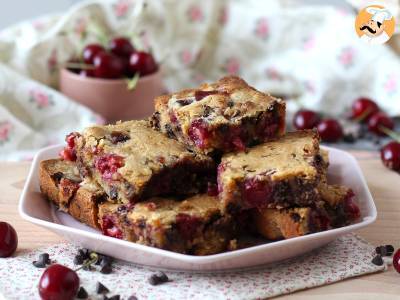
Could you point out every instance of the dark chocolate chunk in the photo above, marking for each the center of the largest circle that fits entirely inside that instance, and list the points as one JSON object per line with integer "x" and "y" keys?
{"x": 381, "y": 250}
{"x": 106, "y": 269}
{"x": 78, "y": 260}
{"x": 57, "y": 176}
{"x": 132, "y": 298}
{"x": 377, "y": 260}
{"x": 118, "y": 137}
{"x": 184, "y": 102}
{"x": 39, "y": 264}
{"x": 82, "y": 294}
{"x": 115, "y": 297}
{"x": 295, "y": 217}
{"x": 163, "y": 277}
{"x": 101, "y": 288}
{"x": 389, "y": 249}
{"x": 158, "y": 278}
{"x": 45, "y": 258}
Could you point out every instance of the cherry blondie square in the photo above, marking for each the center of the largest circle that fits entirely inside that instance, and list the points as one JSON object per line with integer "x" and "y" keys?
{"x": 132, "y": 162}
{"x": 194, "y": 226}
{"x": 275, "y": 174}
{"x": 220, "y": 117}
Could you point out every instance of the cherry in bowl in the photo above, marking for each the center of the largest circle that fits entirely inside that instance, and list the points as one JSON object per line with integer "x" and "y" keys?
{"x": 90, "y": 51}
{"x": 142, "y": 63}
{"x": 108, "y": 66}
{"x": 8, "y": 239}
{"x": 121, "y": 46}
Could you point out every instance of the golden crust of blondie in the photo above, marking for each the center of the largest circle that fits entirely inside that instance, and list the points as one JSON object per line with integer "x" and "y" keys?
{"x": 230, "y": 99}
{"x": 287, "y": 157}
{"x": 145, "y": 152}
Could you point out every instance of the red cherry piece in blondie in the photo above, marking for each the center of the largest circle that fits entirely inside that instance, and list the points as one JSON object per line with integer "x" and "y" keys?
{"x": 256, "y": 193}
{"x": 187, "y": 225}
{"x": 108, "y": 165}
{"x": 110, "y": 228}
{"x": 198, "y": 133}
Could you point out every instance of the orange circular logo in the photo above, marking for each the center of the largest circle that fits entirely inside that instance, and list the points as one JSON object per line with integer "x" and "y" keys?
{"x": 375, "y": 24}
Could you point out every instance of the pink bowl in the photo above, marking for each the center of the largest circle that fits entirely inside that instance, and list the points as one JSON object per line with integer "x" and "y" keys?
{"x": 110, "y": 97}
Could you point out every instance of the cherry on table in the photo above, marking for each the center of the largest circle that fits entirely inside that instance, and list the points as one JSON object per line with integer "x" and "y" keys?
{"x": 379, "y": 120}
{"x": 396, "y": 261}
{"x": 121, "y": 46}
{"x": 363, "y": 108}
{"x": 390, "y": 156}
{"x": 8, "y": 239}
{"x": 108, "y": 66}
{"x": 306, "y": 119}
{"x": 90, "y": 51}
{"x": 330, "y": 130}
{"x": 142, "y": 63}
{"x": 58, "y": 283}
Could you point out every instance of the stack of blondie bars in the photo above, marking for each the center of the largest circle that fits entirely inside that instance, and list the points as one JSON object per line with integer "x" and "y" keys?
{"x": 210, "y": 165}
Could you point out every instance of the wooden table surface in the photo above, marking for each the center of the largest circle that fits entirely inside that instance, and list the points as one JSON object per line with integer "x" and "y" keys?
{"x": 384, "y": 186}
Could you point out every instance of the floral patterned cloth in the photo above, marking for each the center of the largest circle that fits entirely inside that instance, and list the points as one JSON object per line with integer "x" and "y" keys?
{"x": 347, "y": 257}
{"x": 310, "y": 54}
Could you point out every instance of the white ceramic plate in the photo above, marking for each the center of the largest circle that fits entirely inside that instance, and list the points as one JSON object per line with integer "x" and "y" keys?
{"x": 343, "y": 169}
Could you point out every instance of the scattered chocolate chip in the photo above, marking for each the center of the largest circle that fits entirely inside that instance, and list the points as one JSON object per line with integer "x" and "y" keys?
{"x": 158, "y": 278}
{"x": 115, "y": 297}
{"x": 389, "y": 249}
{"x": 381, "y": 250}
{"x": 101, "y": 288}
{"x": 39, "y": 264}
{"x": 88, "y": 268}
{"x": 349, "y": 138}
{"x": 84, "y": 253}
{"x": 78, "y": 260}
{"x": 118, "y": 137}
{"x": 82, "y": 294}
{"x": 44, "y": 257}
{"x": 163, "y": 277}
{"x": 377, "y": 260}
{"x": 132, "y": 298}
{"x": 106, "y": 269}
{"x": 106, "y": 260}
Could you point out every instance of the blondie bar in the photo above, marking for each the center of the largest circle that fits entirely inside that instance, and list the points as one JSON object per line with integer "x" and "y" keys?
{"x": 133, "y": 162}
{"x": 60, "y": 183}
{"x": 224, "y": 116}
{"x": 336, "y": 208}
{"x": 193, "y": 226}
{"x": 275, "y": 174}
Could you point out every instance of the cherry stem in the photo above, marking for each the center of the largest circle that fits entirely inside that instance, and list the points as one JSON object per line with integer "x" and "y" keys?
{"x": 361, "y": 117}
{"x": 93, "y": 259}
{"x": 390, "y": 133}
{"x": 82, "y": 66}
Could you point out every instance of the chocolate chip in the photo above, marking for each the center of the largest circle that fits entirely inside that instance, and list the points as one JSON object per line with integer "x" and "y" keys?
{"x": 78, "y": 260}
{"x": 106, "y": 269}
{"x": 132, "y": 298}
{"x": 207, "y": 111}
{"x": 158, "y": 278}
{"x": 295, "y": 217}
{"x": 119, "y": 137}
{"x": 377, "y": 260}
{"x": 349, "y": 138}
{"x": 169, "y": 131}
{"x": 101, "y": 288}
{"x": 114, "y": 193}
{"x": 106, "y": 260}
{"x": 389, "y": 249}
{"x": 163, "y": 277}
{"x": 39, "y": 264}
{"x": 82, "y": 294}
{"x": 84, "y": 253}
{"x": 230, "y": 103}
{"x": 88, "y": 268}
{"x": 45, "y": 258}
{"x": 381, "y": 250}
{"x": 57, "y": 176}
{"x": 115, "y": 297}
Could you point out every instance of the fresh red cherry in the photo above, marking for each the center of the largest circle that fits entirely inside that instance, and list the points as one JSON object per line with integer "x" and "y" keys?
{"x": 142, "y": 63}
{"x": 379, "y": 120}
{"x": 87, "y": 73}
{"x": 330, "y": 130}
{"x": 108, "y": 66}
{"x": 121, "y": 46}
{"x": 306, "y": 119}
{"x": 90, "y": 51}
{"x": 390, "y": 156}
{"x": 396, "y": 261}
{"x": 8, "y": 239}
{"x": 364, "y": 108}
{"x": 58, "y": 283}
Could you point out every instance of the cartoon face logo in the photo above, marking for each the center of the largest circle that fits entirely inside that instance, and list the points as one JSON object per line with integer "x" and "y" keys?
{"x": 375, "y": 25}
